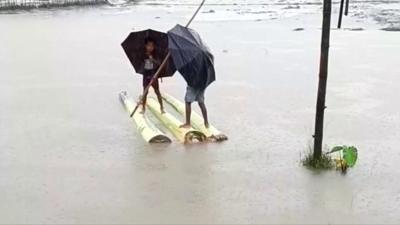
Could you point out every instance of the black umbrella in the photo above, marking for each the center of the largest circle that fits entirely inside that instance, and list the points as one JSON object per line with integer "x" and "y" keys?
{"x": 191, "y": 57}
{"x": 134, "y": 49}
{"x": 164, "y": 63}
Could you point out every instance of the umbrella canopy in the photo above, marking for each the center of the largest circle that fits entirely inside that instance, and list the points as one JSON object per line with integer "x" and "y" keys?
{"x": 191, "y": 57}
{"x": 134, "y": 48}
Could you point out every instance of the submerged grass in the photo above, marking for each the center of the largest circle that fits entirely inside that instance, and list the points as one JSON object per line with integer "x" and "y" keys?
{"x": 326, "y": 162}
{"x": 323, "y": 163}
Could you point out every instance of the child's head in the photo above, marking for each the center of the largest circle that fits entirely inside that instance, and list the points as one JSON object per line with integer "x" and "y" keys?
{"x": 149, "y": 45}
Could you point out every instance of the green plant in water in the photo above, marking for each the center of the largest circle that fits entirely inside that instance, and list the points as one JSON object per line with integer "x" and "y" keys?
{"x": 347, "y": 156}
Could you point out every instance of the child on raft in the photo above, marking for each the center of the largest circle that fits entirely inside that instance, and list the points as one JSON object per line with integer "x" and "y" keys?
{"x": 150, "y": 66}
{"x": 192, "y": 95}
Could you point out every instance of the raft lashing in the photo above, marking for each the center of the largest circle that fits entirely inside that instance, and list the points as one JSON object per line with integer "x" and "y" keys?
{"x": 150, "y": 133}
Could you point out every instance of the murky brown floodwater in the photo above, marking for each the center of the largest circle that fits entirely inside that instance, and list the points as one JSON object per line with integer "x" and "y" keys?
{"x": 69, "y": 153}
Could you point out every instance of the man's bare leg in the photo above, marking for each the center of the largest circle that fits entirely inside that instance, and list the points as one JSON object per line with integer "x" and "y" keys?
{"x": 188, "y": 113}
{"x": 204, "y": 112}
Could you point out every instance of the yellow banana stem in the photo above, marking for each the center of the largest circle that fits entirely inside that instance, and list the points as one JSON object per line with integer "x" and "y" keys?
{"x": 197, "y": 122}
{"x": 182, "y": 134}
{"x": 148, "y": 131}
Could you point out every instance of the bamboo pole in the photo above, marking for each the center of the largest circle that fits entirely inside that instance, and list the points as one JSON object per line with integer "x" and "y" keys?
{"x": 157, "y": 74}
{"x": 323, "y": 76}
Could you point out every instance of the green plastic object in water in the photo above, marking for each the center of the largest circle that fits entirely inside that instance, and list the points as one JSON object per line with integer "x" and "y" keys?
{"x": 349, "y": 154}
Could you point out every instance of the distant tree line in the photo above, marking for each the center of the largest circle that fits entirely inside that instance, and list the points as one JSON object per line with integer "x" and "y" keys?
{"x": 31, "y": 4}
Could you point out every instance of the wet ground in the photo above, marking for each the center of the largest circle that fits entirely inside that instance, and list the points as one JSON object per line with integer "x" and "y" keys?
{"x": 69, "y": 153}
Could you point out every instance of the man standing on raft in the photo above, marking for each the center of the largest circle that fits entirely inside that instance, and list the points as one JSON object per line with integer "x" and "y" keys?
{"x": 195, "y": 62}
{"x": 192, "y": 95}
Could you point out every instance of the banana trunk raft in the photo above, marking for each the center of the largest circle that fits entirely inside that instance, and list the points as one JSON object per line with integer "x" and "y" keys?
{"x": 148, "y": 131}
{"x": 212, "y": 133}
{"x": 172, "y": 124}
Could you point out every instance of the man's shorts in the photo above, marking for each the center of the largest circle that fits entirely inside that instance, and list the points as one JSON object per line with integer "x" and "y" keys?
{"x": 194, "y": 95}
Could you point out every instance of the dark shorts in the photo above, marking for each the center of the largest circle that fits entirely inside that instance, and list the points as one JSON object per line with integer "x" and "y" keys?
{"x": 194, "y": 95}
{"x": 146, "y": 82}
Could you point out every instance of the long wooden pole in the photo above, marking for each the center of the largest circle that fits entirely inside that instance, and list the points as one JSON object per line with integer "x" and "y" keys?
{"x": 323, "y": 76}
{"x": 157, "y": 74}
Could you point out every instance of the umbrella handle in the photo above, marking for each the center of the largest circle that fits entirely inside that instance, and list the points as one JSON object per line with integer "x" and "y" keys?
{"x": 195, "y": 14}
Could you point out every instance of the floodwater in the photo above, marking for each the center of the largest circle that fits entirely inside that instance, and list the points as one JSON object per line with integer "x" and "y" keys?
{"x": 70, "y": 154}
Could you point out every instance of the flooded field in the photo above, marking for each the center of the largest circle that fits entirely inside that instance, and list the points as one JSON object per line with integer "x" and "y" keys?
{"x": 70, "y": 154}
